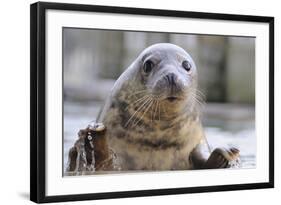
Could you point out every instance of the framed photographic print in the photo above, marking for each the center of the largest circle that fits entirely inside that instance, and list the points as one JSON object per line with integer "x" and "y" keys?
{"x": 129, "y": 102}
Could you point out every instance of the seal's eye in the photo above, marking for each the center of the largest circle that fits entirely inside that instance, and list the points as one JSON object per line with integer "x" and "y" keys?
{"x": 148, "y": 65}
{"x": 186, "y": 65}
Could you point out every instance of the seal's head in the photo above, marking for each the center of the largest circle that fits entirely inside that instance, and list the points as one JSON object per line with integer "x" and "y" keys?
{"x": 163, "y": 79}
{"x": 168, "y": 72}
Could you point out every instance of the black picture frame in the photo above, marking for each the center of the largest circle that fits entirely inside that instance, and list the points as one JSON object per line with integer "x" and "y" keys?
{"x": 38, "y": 100}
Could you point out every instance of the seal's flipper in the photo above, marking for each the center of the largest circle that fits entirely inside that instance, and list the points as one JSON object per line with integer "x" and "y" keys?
{"x": 221, "y": 157}
{"x": 90, "y": 151}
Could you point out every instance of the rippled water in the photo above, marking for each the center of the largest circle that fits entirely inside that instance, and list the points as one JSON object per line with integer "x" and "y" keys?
{"x": 219, "y": 132}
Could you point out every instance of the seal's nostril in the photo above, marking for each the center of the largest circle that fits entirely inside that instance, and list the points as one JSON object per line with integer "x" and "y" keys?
{"x": 171, "y": 78}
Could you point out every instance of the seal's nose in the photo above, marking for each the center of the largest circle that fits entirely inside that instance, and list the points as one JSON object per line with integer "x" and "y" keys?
{"x": 171, "y": 79}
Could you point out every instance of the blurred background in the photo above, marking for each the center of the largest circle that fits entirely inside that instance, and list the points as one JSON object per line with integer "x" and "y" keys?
{"x": 94, "y": 59}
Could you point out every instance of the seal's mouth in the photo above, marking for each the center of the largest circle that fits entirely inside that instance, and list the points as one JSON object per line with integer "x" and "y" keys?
{"x": 172, "y": 98}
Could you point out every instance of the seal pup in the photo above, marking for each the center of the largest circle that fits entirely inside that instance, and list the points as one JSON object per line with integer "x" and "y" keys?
{"x": 152, "y": 115}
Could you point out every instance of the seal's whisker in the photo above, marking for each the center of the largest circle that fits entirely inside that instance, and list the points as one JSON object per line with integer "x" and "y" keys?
{"x": 197, "y": 99}
{"x": 156, "y": 107}
{"x": 197, "y": 96}
{"x": 137, "y": 120}
{"x": 140, "y": 108}
{"x": 159, "y": 111}
{"x": 154, "y": 104}
{"x": 133, "y": 117}
{"x": 200, "y": 93}
{"x": 190, "y": 102}
{"x": 138, "y": 101}
{"x": 200, "y": 99}
{"x": 148, "y": 107}
{"x": 192, "y": 97}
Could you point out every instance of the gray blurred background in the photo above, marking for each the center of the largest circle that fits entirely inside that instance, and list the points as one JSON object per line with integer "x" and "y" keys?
{"x": 94, "y": 59}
